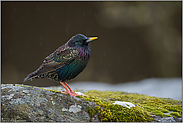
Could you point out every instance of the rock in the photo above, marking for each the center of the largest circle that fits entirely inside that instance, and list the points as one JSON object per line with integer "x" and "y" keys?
{"x": 31, "y": 104}
{"x": 22, "y": 103}
{"x": 120, "y": 106}
{"x": 166, "y": 119}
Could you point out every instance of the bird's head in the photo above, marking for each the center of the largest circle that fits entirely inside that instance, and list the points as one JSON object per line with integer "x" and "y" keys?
{"x": 80, "y": 40}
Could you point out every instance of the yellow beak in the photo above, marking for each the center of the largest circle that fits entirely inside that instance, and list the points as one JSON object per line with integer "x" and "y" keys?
{"x": 92, "y": 38}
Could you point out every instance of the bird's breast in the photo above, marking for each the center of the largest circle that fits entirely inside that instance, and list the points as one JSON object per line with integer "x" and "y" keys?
{"x": 84, "y": 54}
{"x": 71, "y": 70}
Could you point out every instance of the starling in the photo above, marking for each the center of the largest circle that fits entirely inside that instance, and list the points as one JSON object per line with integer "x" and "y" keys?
{"x": 66, "y": 62}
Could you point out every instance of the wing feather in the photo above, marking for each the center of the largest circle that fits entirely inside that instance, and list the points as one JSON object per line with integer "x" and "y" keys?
{"x": 59, "y": 58}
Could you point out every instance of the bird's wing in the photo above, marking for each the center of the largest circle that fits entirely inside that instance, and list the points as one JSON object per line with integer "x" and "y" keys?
{"x": 57, "y": 59}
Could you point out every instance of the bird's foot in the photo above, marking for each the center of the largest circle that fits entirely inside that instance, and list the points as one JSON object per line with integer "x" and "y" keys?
{"x": 70, "y": 93}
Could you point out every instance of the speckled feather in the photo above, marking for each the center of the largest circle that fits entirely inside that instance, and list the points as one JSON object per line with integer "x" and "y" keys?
{"x": 66, "y": 62}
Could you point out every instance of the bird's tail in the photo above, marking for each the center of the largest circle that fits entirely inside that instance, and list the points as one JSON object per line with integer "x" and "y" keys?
{"x": 31, "y": 76}
{"x": 39, "y": 73}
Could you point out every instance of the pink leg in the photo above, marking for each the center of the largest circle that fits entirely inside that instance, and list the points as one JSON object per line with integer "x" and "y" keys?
{"x": 71, "y": 89}
{"x": 71, "y": 92}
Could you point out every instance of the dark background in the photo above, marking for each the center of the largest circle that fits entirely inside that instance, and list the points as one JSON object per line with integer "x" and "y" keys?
{"x": 136, "y": 40}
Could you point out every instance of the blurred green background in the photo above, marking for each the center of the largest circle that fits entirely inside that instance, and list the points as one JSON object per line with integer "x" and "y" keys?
{"x": 137, "y": 40}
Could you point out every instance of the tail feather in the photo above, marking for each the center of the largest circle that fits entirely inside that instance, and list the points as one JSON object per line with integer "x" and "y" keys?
{"x": 36, "y": 74}
{"x": 30, "y": 76}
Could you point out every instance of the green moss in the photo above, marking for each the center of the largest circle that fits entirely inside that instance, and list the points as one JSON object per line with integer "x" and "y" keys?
{"x": 108, "y": 112}
{"x": 164, "y": 110}
{"x": 167, "y": 115}
{"x": 55, "y": 91}
{"x": 175, "y": 114}
{"x": 158, "y": 113}
{"x": 23, "y": 85}
{"x": 146, "y": 106}
{"x": 176, "y": 108}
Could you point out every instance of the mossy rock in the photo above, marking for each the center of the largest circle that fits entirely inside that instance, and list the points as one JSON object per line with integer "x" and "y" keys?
{"x": 146, "y": 109}
{"x": 146, "y": 106}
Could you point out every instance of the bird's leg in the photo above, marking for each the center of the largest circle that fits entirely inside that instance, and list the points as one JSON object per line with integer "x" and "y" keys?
{"x": 71, "y": 89}
{"x": 71, "y": 92}
{"x": 68, "y": 87}
{"x": 67, "y": 91}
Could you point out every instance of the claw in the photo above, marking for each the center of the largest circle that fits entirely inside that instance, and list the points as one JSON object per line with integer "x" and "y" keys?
{"x": 71, "y": 92}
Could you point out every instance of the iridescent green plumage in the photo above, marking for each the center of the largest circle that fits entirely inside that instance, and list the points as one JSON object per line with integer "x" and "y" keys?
{"x": 66, "y": 62}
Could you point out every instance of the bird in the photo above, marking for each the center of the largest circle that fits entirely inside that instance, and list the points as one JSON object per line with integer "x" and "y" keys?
{"x": 66, "y": 62}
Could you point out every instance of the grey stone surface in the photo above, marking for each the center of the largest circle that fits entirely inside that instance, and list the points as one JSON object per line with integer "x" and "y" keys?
{"x": 31, "y": 104}
{"x": 166, "y": 119}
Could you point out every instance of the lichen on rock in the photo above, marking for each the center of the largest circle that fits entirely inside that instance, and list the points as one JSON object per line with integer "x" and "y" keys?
{"x": 35, "y": 104}
{"x": 32, "y": 104}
